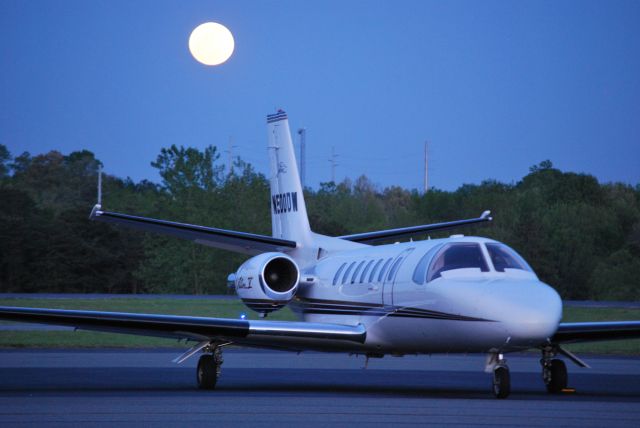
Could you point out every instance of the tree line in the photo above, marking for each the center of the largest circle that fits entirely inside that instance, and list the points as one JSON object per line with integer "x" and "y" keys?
{"x": 580, "y": 236}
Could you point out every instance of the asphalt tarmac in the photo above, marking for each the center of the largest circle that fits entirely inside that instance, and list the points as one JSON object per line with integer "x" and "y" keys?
{"x": 264, "y": 388}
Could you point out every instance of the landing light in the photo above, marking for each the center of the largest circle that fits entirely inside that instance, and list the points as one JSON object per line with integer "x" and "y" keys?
{"x": 243, "y": 316}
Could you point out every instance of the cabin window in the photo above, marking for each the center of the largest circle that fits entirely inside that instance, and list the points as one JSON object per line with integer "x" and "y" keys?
{"x": 420, "y": 273}
{"x": 366, "y": 269}
{"x": 394, "y": 268}
{"x": 457, "y": 256}
{"x": 356, "y": 272}
{"x": 346, "y": 274}
{"x": 337, "y": 275}
{"x": 375, "y": 269}
{"x": 383, "y": 270}
{"x": 504, "y": 257}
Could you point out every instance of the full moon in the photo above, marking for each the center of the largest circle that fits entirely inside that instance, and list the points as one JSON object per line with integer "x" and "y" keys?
{"x": 211, "y": 43}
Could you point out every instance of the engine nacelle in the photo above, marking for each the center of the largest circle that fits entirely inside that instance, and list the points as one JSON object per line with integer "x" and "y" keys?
{"x": 267, "y": 282}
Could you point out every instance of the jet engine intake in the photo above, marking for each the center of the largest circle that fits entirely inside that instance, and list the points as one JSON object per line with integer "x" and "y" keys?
{"x": 267, "y": 282}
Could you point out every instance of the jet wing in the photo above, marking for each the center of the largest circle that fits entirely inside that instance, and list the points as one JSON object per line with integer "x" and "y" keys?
{"x": 385, "y": 235}
{"x": 240, "y": 242}
{"x": 594, "y": 331}
{"x": 275, "y": 334}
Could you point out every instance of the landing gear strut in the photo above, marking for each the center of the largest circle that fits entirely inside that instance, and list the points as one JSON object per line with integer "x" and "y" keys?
{"x": 209, "y": 368}
{"x": 554, "y": 371}
{"x": 501, "y": 377}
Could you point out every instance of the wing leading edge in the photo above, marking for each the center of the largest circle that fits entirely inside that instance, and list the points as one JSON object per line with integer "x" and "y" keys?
{"x": 240, "y": 242}
{"x": 385, "y": 235}
{"x": 596, "y": 331}
{"x": 284, "y": 334}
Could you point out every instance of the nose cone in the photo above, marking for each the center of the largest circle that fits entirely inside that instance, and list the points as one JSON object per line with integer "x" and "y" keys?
{"x": 531, "y": 314}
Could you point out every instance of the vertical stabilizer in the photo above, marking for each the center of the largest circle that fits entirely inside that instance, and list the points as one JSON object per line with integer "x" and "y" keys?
{"x": 288, "y": 211}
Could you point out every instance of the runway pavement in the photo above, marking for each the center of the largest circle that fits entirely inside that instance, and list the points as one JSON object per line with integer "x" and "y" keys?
{"x": 264, "y": 388}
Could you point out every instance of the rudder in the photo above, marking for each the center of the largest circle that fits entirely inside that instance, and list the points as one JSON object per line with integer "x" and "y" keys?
{"x": 288, "y": 210}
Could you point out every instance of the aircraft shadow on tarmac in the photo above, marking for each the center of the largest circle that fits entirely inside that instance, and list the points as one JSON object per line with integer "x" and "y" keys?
{"x": 257, "y": 382}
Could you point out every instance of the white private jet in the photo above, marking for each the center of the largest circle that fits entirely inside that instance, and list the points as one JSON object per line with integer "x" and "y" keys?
{"x": 459, "y": 294}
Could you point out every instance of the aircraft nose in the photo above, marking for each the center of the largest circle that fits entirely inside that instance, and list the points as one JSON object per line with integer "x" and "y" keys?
{"x": 532, "y": 315}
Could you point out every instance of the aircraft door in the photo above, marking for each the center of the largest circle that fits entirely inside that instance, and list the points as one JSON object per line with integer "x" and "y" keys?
{"x": 391, "y": 274}
{"x": 359, "y": 282}
{"x": 413, "y": 286}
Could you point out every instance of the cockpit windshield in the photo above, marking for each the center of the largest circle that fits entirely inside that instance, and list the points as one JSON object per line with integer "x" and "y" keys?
{"x": 461, "y": 255}
{"x": 504, "y": 257}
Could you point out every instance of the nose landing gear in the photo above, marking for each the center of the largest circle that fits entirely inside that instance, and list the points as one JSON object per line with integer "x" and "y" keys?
{"x": 554, "y": 371}
{"x": 501, "y": 382}
{"x": 501, "y": 375}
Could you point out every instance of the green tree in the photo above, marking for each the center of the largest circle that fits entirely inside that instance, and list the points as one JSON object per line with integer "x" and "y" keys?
{"x": 616, "y": 277}
{"x": 191, "y": 189}
{"x": 184, "y": 170}
{"x": 5, "y": 159}
{"x": 55, "y": 181}
{"x": 20, "y": 226}
{"x": 51, "y": 244}
{"x": 580, "y": 236}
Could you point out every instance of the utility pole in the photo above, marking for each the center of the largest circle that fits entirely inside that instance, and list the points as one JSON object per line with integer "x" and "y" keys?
{"x": 100, "y": 185}
{"x": 302, "y": 132}
{"x": 332, "y": 161}
{"x": 229, "y": 152}
{"x": 426, "y": 166}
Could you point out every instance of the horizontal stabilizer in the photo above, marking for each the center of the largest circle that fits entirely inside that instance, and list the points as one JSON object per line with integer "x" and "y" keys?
{"x": 240, "y": 242}
{"x": 595, "y": 331}
{"x": 385, "y": 235}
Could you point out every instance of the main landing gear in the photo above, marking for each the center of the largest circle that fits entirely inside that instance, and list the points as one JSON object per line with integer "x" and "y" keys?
{"x": 209, "y": 368}
{"x": 554, "y": 371}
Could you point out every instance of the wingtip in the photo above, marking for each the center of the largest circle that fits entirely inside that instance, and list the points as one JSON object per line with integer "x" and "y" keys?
{"x": 95, "y": 211}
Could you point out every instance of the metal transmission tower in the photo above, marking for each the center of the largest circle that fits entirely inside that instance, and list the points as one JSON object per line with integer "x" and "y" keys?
{"x": 426, "y": 166}
{"x": 302, "y": 132}
{"x": 332, "y": 161}
{"x": 229, "y": 152}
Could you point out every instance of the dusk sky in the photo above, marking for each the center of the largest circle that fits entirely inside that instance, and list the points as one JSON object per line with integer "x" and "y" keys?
{"x": 495, "y": 86}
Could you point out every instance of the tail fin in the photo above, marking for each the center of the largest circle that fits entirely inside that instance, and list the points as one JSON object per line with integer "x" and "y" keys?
{"x": 288, "y": 211}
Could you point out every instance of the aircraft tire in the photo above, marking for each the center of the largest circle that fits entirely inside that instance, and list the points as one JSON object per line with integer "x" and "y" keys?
{"x": 501, "y": 382}
{"x": 207, "y": 372}
{"x": 557, "y": 376}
